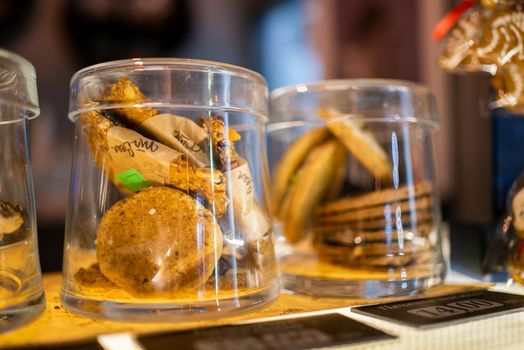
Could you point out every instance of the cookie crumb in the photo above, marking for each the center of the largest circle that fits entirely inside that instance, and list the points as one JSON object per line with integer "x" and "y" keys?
{"x": 92, "y": 277}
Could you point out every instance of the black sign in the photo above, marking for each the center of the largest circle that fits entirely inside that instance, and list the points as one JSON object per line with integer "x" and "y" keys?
{"x": 441, "y": 310}
{"x": 289, "y": 334}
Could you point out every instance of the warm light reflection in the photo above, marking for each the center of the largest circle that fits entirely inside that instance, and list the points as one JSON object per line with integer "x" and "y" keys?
{"x": 301, "y": 88}
{"x": 119, "y": 341}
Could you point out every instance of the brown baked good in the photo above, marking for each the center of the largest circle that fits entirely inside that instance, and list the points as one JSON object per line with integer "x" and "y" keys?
{"x": 312, "y": 185}
{"x": 388, "y": 220}
{"x": 351, "y": 256}
{"x": 158, "y": 241}
{"x": 374, "y": 198}
{"x": 348, "y": 235}
{"x": 204, "y": 181}
{"x": 416, "y": 204}
{"x": 207, "y": 182}
{"x": 223, "y": 141}
{"x": 96, "y": 127}
{"x": 291, "y": 161}
{"x": 124, "y": 91}
{"x": 360, "y": 142}
{"x": 92, "y": 277}
{"x": 389, "y": 227}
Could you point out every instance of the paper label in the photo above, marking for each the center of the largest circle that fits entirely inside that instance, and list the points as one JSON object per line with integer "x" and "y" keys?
{"x": 518, "y": 210}
{"x": 249, "y": 216}
{"x": 442, "y": 310}
{"x": 130, "y": 150}
{"x": 181, "y": 134}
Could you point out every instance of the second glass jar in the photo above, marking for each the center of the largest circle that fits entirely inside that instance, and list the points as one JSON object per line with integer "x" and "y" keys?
{"x": 354, "y": 189}
{"x": 168, "y": 206}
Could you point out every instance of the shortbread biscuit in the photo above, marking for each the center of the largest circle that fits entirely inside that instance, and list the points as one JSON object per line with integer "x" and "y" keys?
{"x": 381, "y": 248}
{"x": 310, "y": 188}
{"x": 366, "y": 213}
{"x": 346, "y": 256}
{"x": 291, "y": 161}
{"x": 223, "y": 141}
{"x": 158, "y": 241}
{"x": 389, "y": 219}
{"x": 375, "y": 198}
{"x": 396, "y": 260}
{"x": 348, "y": 235}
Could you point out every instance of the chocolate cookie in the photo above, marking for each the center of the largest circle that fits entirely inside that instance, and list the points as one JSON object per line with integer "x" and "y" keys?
{"x": 158, "y": 241}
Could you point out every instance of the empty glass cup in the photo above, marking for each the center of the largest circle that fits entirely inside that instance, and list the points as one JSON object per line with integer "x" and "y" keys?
{"x": 168, "y": 199}
{"x": 354, "y": 189}
{"x": 21, "y": 291}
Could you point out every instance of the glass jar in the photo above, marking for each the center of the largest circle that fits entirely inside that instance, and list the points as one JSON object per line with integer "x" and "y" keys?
{"x": 354, "y": 189}
{"x": 168, "y": 198}
{"x": 21, "y": 290}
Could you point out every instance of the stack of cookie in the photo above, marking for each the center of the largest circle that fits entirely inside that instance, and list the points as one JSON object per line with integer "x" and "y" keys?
{"x": 313, "y": 170}
{"x": 315, "y": 199}
{"x": 381, "y": 228}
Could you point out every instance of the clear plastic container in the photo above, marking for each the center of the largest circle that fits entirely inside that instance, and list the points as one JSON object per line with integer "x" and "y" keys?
{"x": 21, "y": 291}
{"x": 168, "y": 198}
{"x": 354, "y": 189}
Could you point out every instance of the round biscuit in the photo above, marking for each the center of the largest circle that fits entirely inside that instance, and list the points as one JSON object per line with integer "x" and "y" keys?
{"x": 158, "y": 241}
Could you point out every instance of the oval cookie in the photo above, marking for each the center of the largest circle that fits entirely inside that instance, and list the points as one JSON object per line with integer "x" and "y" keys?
{"x": 313, "y": 183}
{"x": 291, "y": 161}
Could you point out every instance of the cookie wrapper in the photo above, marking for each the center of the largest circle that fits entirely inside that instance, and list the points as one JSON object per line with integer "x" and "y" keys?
{"x": 130, "y": 150}
{"x": 133, "y": 161}
{"x": 179, "y": 133}
{"x": 249, "y": 216}
{"x": 140, "y": 162}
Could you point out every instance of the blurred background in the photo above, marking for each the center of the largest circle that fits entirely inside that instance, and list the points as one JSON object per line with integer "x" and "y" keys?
{"x": 288, "y": 41}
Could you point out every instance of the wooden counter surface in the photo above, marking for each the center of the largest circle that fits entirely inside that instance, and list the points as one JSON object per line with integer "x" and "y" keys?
{"x": 56, "y": 325}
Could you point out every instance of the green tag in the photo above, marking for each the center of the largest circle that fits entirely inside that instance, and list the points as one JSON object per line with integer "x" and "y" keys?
{"x": 132, "y": 180}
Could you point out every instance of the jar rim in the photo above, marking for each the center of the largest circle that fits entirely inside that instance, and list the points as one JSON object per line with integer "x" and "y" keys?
{"x": 279, "y": 95}
{"x": 149, "y": 63}
{"x": 156, "y": 66}
{"x": 19, "y": 92}
{"x": 346, "y": 84}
